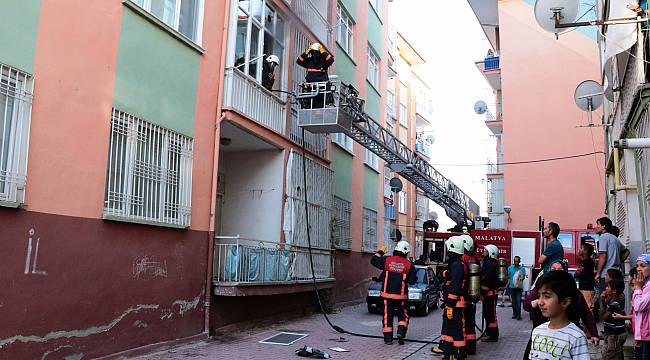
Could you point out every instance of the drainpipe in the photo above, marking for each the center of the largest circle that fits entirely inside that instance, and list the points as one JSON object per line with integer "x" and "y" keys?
{"x": 617, "y": 174}
{"x": 215, "y": 170}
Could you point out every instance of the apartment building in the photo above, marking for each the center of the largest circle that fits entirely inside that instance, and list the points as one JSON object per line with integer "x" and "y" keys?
{"x": 532, "y": 122}
{"x": 626, "y": 115}
{"x": 107, "y": 145}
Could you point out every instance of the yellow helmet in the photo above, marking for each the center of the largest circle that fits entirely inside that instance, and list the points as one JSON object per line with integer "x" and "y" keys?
{"x": 315, "y": 46}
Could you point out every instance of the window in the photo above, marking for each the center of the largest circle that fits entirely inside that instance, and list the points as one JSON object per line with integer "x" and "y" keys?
{"x": 371, "y": 159}
{"x": 343, "y": 141}
{"x": 181, "y": 15}
{"x": 369, "y": 230}
{"x": 566, "y": 239}
{"x": 16, "y": 92}
{"x": 390, "y": 105}
{"x": 341, "y": 214}
{"x": 402, "y": 202}
{"x": 403, "y": 115}
{"x": 375, "y": 4}
{"x": 259, "y": 34}
{"x": 373, "y": 68}
{"x": 344, "y": 33}
{"x": 149, "y": 175}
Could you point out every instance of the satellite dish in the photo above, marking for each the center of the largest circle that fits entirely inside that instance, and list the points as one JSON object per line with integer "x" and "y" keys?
{"x": 433, "y": 215}
{"x": 589, "y": 95}
{"x": 480, "y": 107}
{"x": 546, "y": 10}
{"x": 430, "y": 139}
{"x": 395, "y": 184}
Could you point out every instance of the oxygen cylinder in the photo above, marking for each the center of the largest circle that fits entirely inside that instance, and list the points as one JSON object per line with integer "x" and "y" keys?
{"x": 474, "y": 282}
{"x": 502, "y": 272}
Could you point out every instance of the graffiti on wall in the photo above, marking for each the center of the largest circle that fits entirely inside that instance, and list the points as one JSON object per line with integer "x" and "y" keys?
{"x": 31, "y": 265}
{"x": 146, "y": 268}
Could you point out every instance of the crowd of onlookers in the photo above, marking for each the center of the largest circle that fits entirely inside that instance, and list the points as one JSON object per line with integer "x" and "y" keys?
{"x": 563, "y": 306}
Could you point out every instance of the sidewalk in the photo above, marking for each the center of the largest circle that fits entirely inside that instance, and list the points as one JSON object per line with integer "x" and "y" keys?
{"x": 244, "y": 345}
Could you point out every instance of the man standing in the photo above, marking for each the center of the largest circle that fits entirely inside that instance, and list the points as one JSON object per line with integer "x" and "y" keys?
{"x": 516, "y": 276}
{"x": 611, "y": 252}
{"x": 490, "y": 292}
{"x": 554, "y": 250}
{"x": 398, "y": 273}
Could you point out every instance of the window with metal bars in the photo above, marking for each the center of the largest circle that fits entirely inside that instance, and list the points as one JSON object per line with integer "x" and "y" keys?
{"x": 149, "y": 175}
{"x": 16, "y": 93}
{"x": 369, "y": 230}
{"x": 341, "y": 215}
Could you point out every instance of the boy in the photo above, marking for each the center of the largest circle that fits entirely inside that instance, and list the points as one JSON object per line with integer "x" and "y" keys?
{"x": 637, "y": 348}
{"x": 614, "y": 328}
{"x": 559, "y": 338}
{"x": 585, "y": 274}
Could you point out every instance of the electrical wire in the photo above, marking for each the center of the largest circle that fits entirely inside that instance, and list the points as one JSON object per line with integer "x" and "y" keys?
{"x": 528, "y": 161}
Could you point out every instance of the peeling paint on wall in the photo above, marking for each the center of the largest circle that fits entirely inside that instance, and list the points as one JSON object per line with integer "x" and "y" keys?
{"x": 140, "y": 324}
{"x": 186, "y": 306}
{"x": 74, "y": 357}
{"x": 47, "y": 353}
{"x": 77, "y": 333}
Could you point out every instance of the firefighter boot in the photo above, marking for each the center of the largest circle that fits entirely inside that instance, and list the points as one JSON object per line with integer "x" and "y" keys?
{"x": 400, "y": 339}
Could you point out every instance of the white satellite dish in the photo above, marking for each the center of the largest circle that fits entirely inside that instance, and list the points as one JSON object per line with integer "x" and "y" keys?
{"x": 589, "y": 97}
{"x": 430, "y": 139}
{"x": 480, "y": 107}
{"x": 548, "y": 11}
{"x": 433, "y": 215}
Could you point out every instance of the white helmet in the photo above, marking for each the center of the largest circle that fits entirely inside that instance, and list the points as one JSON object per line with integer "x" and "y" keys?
{"x": 273, "y": 59}
{"x": 456, "y": 245}
{"x": 469, "y": 242}
{"x": 316, "y": 46}
{"x": 492, "y": 251}
{"x": 403, "y": 247}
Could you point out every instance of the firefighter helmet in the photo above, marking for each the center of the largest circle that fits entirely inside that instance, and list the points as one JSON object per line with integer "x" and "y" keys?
{"x": 468, "y": 242}
{"x": 455, "y": 244}
{"x": 316, "y": 46}
{"x": 403, "y": 246}
{"x": 492, "y": 251}
{"x": 273, "y": 59}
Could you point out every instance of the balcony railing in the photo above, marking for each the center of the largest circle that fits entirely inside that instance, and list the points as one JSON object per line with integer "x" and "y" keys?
{"x": 497, "y": 221}
{"x": 247, "y": 96}
{"x": 306, "y": 11}
{"x": 494, "y": 168}
{"x": 239, "y": 261}
{"x": 491, "y": 63}
{"x": 422, "y": 147}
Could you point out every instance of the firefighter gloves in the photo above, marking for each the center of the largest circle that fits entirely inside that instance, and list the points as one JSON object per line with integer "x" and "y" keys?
{"x": 450, "y": 313}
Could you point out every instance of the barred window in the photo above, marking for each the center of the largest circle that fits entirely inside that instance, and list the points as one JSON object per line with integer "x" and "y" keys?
{"x": 16, "y": 92}
{"x": 371, "y": 159}
{"x": 344, "y": 34}
{"x": 369, "y": 230}
{"x": 149, "y": 175}
{"x": 341, "y": 214}
{"x": 343, "y": 141}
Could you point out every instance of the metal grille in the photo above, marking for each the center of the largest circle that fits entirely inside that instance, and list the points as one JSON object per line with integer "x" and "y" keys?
{"x": 621, "y": 217}
{"x": 341, "y": 215}
{"x": 16, "y": 93}
{"x": 316, "y": 22}
{"x": 149, "y": 177}
{"x": 643, "y": 130}
{"x": 369, "y": 230}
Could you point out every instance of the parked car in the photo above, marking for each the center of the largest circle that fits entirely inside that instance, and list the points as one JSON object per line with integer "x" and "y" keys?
{"x": 424, "y": 295}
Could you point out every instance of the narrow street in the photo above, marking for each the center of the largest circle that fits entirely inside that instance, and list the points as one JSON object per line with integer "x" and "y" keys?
{"x": 245, "y": 345}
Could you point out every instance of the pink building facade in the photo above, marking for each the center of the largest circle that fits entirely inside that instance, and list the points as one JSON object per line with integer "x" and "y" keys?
{"x": 533, "y": 77}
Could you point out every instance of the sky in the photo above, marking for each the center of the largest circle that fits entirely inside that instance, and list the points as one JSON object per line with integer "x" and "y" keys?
{"x": 448, "y": 36}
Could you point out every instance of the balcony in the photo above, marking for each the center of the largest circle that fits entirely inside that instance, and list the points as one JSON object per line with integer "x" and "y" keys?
{"x": 313, "y": 19}
{"x": 422, "y": 115}
{"x": 490, "y": 67}
{"x": 246, "y": 96}
{"x": 240, "y": 262}
{"x": 495, "y": 124}
{"x": 422, "y": 147}
{"x": 497, "y": 221}
{"x": 494, "y": 169}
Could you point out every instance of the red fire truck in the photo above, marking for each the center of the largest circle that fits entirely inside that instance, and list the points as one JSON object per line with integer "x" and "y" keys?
{"x": 528, "y": 245}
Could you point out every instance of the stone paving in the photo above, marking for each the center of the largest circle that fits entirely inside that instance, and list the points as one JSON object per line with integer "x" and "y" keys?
{"x": 244, "y": 345}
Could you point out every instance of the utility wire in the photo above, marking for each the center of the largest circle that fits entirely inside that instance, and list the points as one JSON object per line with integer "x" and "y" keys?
{"x": 529, "y": 161}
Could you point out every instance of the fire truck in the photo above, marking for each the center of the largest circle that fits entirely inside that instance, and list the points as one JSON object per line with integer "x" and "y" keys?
{"x": 528, "y": 245}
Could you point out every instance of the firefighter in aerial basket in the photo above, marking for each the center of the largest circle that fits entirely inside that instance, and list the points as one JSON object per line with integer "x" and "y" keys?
{"x": 452, "y": 341}
{"x": 490, "y": 292}
{"x": 473, "y": 268}
{"x": 398, "y": 273}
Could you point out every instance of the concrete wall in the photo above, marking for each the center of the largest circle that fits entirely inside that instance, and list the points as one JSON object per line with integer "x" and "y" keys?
{"x": 253, "y": 200}
{"x": 539, "y": 123}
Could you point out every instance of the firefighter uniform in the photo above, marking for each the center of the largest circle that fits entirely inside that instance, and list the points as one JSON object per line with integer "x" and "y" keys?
{"x": 470, "y": 310}
{"x": 489, "y": 293}
{"x": 398, "y": 273}
{"x": 452, "y": 339}
{"x": 316, "y": 61}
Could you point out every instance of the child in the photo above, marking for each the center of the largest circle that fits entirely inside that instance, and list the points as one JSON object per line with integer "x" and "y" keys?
{"x": 615, "y": 335}
{"x": 585, "y": 274}
{"x": 641, "y": 303}
{"x": 559, "y": 338}
{"x": 637, "y": 349}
